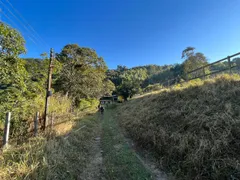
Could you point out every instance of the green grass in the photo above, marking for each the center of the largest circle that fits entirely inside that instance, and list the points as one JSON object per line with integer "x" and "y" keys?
{"x": 120, "y": 161}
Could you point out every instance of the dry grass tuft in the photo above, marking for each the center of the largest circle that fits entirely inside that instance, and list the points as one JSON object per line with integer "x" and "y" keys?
{"x": 193, "y": 128}
{"x": 63, "y": 154}
{"x": 64, "y": 128}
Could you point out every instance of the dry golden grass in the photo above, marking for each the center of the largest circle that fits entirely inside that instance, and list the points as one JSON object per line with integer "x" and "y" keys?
{"x": 194, "y": 128}
{"x": 63, "y": 128}
{"x": 63, "y": 154}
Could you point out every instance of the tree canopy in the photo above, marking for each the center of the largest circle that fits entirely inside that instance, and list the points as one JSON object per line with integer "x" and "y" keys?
{"x": 193, "y": 61}
{"x": 131, "y": 82}
{"x": 78, "y": 72}
{"x": 11, "y": 41}
{"x": 83, "y": 74}
{"x": 15, "y": 86}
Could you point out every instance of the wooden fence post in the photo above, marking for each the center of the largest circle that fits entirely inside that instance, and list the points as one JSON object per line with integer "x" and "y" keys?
{"x": 36, "y": 124}
{"x": 204, "y": 74}
{"x": 178, "y": 79}
{"x": 52, "y": 120}
{"x": 229, "y": 65}
{"x": 6, "y": 129}
{"x": 187, "y": 78}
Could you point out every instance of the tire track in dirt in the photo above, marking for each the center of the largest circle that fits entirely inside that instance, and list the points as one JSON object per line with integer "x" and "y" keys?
{"x": 148, "y": 161}
{"x": 93, "y": 169}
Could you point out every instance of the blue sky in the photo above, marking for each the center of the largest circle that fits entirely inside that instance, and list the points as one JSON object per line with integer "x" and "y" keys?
{"x": 133, "y": 32}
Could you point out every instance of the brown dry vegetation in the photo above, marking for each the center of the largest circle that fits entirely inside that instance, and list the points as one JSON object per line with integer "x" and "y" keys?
{"x": 62, "y": 154}
{"x": 193, "y": 129}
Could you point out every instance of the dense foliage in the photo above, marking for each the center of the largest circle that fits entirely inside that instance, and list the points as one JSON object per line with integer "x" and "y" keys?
{"x": 15, "y": 86}
{"x": 132, "y": 81}
{"x": 78, "y": 73}
{"x": 83, "y": 74}
{"x": 140, "y": 79}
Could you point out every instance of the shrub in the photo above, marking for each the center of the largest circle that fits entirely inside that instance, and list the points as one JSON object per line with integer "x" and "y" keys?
{"x": 87, "y": 103}
{"x": 154, "y": 87}
{"x": 59, "y": 104}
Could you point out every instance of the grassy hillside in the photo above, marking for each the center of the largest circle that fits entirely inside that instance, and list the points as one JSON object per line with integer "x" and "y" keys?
{"x": 193, "y": 129}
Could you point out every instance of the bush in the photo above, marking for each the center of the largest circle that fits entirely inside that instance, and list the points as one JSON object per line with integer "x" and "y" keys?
{"x": 59, "y": 104}
{"x": 154, "y": 87}
{"x": 88, "y": 103}
{"x": 23, "y": 116}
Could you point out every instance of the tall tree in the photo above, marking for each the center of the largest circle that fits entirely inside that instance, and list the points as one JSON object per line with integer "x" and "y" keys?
{"x": 131, "y": 82}
{"x": 188, "y": 52}
{"x": 14, "y": 79}
{"x": 193, "y": 61}
{"x": 12, "y": 43}
{"x": 237, "y": 62}
{"x": 83, "y": 73}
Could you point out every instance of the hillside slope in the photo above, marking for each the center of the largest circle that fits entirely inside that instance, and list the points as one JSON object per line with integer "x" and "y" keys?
{"x": 193, "y": 129}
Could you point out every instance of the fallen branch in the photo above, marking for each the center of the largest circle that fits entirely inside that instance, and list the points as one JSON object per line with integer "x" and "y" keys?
{"x": 75, "y": 131}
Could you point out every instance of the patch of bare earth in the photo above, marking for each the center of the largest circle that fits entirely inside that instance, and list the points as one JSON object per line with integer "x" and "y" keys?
{"x": 93, "y": 170}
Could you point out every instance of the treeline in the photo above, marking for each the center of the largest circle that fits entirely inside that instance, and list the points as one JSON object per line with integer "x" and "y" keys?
{"x": 79, "y": 79}
{"x": 141, "y": 79}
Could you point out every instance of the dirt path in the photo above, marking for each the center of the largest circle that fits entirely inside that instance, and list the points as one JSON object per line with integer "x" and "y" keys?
{"x": 121, "y": 160}
{"x": 113, "y": 156}
{"x": 93, "y": 169}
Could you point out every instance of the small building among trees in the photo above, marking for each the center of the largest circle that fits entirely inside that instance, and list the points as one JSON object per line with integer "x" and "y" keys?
{"x": 111, "y": 99}
{"x": 106, "y": 100}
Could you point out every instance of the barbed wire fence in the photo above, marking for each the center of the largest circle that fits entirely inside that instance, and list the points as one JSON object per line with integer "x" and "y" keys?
{"x": 10, "y": 16}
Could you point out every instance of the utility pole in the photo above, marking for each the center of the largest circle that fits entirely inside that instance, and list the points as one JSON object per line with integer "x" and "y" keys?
{"x": 0, "y": 14}
{"x": 48, "y": 91}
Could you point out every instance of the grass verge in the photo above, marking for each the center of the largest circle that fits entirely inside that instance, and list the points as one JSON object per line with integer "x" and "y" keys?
{"x": 120, "y": 161}
{"x": 60, "y": 157}
{"x": 192, "y": 129}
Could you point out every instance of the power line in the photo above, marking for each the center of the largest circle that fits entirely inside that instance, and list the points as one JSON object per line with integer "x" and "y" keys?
{"x": 17, "y": 27}
{"x": 17, "y": 18}
{"x": 0, "y": 14}
{"x": 27, "y": 23}
{"x": 31, "y": 35}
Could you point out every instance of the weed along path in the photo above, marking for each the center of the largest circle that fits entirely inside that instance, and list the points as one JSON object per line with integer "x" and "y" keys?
{"x": 120, "y": 161}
